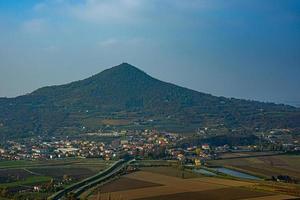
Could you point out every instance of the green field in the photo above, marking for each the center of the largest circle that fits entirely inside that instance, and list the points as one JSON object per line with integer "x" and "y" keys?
{"x": 19, "y": 177}
{"x": 63, "y": 162}
{"x": 29, "y": 181}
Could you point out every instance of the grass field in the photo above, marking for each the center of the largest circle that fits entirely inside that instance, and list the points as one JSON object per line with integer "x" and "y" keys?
{"x": 266, "y": 166}
{"x": 47, "y": 163}
{"x": 28, "y": 163}
{"x": 28, "y": 181}
{"x": 152, "y": 184}
{"x": 19, "y": 177}
{"x": 79, "y": 168}
{"x": 163, "y": 183}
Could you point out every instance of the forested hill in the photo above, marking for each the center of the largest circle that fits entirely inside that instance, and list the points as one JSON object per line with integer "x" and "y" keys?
{"x": 125, "y": 97}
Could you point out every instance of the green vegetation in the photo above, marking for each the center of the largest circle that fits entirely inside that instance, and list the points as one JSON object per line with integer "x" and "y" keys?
{"x": 29, "y": 181}
{"x": 21, "y": 164}
{"x": 15, "y": 163}
{"x": 31, "y": 196}
{"x": 125, "y": 97}
{"x": 172, "y": 171}
{"x": 19, "y": 177}
{"x": 27, "y": 163}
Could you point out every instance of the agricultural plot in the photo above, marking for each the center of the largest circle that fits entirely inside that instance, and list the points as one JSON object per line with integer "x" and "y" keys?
{"x": 15, "y": 180}
{"x": 11, "y": 175}
{"x": 125, "y": 183}
{"x": 30, "y": 181}
{"x": 231, "y": 193}
{"x": 12, "y": 171}
{"x": 17, "y": 164}
{"x": 56, "y": 173}
{"x": 156, "y": 186}
{"x": 22, "y": 176}
{"x": 247, "y": 154}
{"x": 94, "y": 163}
{"x": 267, "y": 166}
{"x": 171, "y": 171}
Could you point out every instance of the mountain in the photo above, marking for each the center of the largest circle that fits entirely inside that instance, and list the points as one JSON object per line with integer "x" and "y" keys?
{"x": 125, "y": 97}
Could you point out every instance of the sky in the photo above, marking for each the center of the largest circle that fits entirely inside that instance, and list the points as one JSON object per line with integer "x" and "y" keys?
{"x": 246, "y": 49}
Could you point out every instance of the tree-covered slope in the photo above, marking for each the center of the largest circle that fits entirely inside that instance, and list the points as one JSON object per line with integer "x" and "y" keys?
{"x": 126, "y": 97}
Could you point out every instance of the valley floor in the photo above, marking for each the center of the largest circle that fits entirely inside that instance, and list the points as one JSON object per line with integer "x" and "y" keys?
{"x": 149, "y": 184}
{"x": 264, "y": 166}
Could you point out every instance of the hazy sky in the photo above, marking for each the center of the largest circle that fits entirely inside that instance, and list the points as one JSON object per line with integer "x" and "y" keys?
{"x": 236, "y": 48}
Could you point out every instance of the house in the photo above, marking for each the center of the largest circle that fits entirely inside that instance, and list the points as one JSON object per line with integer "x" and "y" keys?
{"x": 205, "y": 147}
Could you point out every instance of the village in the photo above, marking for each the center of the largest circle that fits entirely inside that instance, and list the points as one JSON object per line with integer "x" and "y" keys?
{"x": 48, "y": 164}
{"x": 147, "y": 144}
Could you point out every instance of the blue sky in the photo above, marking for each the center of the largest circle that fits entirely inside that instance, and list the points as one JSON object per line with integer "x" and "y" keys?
{"x": 235, "y": 48}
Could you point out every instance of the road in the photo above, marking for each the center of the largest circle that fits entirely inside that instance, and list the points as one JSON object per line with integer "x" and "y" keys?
{"x": 78, "y": 188}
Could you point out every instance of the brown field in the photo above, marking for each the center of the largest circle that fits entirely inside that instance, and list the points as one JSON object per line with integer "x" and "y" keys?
{"x": 231, "y": 193}
{"x": 283, "y": 188}
{"x": 265, "y": 166}
{"x": 125, "y": 183}
{"x": 115, "y": 122}
{"x": 156, "y": 186}
{"x": 246, "y": 154}
{"x": 170, "y": 171}
{"x": 92, "y": 122}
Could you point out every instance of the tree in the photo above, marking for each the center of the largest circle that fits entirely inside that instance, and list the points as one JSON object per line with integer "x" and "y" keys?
{"x": 50, "y": 185}
{"x": 66, "y": 178}
{"x": 4, "y": 192}
{"x": 198, "y": 151}
{"x": 71, "y": 196}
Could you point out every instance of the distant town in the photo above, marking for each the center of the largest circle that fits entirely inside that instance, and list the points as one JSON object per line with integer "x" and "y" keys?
{"x": 147, "y": 144}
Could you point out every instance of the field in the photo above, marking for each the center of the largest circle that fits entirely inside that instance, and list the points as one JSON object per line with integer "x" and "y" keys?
{"x": 247, "y": 154}
{"x": 116, "y": 122}
{"x": 21, "y": 176}
{"x": 171, "y": 171}
{"x": 93, "y": 122}
{"x": 152, "y": 184}
{"x": 265, "y": 166}
{"x": 11, "y": 171}
{"x": 127, "y": 184}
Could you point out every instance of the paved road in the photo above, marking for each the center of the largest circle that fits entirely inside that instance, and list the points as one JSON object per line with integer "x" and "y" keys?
{"x": 80, "y": 187}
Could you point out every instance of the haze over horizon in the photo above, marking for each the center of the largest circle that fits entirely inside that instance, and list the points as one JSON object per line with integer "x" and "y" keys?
{"x": 242, "y": 49}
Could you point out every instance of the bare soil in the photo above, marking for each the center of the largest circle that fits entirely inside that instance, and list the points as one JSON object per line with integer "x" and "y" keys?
{"x": 233, "y": 193}
{"x": 126, "y": 184}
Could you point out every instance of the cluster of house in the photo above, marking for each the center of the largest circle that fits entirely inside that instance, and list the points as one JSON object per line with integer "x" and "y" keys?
{"x": 146, "y": 144}
{"x": 283, "y": 139}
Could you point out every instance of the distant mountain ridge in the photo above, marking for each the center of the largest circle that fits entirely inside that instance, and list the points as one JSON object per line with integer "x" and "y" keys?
{"x": 124, "y": 97}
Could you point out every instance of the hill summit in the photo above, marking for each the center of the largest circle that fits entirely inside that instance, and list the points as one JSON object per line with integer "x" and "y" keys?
{"x": 124, "y": 97}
